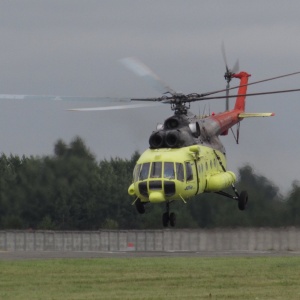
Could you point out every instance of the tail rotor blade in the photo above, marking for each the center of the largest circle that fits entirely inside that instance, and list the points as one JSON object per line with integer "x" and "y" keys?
{"x": 236, "y": 67}
{"x": 224, "y": 56}
{"x": 227, "y": 76}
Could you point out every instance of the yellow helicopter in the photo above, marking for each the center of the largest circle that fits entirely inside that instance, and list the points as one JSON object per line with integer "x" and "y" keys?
{"x": 186, "y": 157}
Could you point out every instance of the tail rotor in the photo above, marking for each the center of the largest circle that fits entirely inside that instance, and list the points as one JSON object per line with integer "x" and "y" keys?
{"x": 228, "y": 74}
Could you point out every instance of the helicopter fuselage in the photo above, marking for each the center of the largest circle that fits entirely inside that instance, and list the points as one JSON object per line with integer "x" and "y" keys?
{"x": 177, "y": 174}
{"x": 186, "y": 156}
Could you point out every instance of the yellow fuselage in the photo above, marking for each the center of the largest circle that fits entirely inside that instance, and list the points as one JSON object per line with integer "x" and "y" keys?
{"x": 178, "y": 174}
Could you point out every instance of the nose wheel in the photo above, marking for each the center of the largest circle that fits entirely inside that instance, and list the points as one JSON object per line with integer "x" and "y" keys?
{"x": 168, "y": 218}
{"x": 140, "y": 206}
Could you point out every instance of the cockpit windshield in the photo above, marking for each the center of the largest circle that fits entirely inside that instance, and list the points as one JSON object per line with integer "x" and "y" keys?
{"x": 167, "y": 170}
{"x": 156, "y": 168}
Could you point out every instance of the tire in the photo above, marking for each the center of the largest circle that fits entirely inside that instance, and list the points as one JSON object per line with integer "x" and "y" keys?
{"x": 140, "y": 206}
{"x": 172, "y": 219}
{"x": 165, "y": 219}
{"x": 243, "y": 200}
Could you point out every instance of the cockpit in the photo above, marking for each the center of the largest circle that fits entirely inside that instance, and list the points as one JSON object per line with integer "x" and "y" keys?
{"x": 166, "y": 170}
{"x": 164, "y": 177}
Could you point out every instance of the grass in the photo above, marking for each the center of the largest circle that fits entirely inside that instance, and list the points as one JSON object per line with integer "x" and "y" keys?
{"x": 152, "y": 278}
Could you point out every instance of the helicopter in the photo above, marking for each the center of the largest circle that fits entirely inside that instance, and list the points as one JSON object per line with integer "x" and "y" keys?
{"x": 186, "y": 157}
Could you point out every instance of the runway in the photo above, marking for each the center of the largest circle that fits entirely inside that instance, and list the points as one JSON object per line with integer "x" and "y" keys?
{"x": 32, "y": 255}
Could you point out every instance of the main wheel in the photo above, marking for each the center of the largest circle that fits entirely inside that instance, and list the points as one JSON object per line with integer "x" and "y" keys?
{"x": 165, "y": 219}
{"x": 140, "y": 206}
{"x": 172, "y": 219}
{"x": 243, "y": 200}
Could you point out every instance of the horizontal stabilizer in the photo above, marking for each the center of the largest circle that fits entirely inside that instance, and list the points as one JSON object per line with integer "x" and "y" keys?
{"x": 253, "y": 115}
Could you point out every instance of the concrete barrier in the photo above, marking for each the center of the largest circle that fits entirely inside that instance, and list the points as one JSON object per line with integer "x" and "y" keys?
{"x": 242, "y": 239}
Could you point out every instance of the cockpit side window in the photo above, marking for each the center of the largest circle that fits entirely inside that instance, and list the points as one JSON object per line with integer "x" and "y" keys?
{"x": 179, "y": 172}
{"x": 169, "y": 170}
{"x": 156, "y": 169}
{"x": 189, "y": 171}
{"x": 144, "y": 171}
{"x": 136, "y": 172}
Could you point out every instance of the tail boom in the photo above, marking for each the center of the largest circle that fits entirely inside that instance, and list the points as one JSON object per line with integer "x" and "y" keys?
{"x": 222, "y": 122}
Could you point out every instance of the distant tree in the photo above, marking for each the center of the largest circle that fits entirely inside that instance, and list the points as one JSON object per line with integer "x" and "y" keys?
{"x": 60, "y": 148}
{"x": 293, "y": 205}
{"x": 71, "y": 190}
{"x": 265, "y": 207}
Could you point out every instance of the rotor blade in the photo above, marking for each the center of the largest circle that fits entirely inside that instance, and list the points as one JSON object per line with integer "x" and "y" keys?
{"x": 242, "y": 95}
{"x": 61, "y": 98}
{"x": 117, "y": 107}
{"x": 148, "y": 75}
{"x": 251, "y": 83}
{"x": 224, "y": 56}
{"x": 200, "y": 97}
{"x": 161, "y": 99}
{"x": 236, "y": 67}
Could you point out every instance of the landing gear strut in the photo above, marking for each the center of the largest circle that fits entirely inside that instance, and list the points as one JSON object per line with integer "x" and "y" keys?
{"x": 241, "y": 198}
{"x": 168, "y": 217}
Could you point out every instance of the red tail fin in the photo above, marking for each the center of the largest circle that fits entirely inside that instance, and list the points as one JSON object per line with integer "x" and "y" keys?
{"x": 220, "y": 123}
{"x": 240, "y": 100}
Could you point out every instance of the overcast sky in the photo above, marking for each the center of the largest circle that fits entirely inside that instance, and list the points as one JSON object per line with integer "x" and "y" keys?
{"x": 73, "y": 48}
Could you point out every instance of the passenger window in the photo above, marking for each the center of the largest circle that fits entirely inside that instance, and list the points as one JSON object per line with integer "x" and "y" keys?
{"x": 144, "y": 171}
{"x": 156, "y": 169}
{"x": 189, "y": 172}
{"x": 179, "y": 172}
{"x": 169, "y": 170}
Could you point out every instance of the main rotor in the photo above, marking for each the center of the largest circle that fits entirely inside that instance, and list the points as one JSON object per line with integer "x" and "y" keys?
{"x": 180, "y": 103}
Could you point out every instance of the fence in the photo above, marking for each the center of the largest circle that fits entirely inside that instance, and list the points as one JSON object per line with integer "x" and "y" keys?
{"x": 251, "y": 239}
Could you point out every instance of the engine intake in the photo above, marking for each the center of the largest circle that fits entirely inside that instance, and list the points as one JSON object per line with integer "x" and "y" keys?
{"x": 171, "y": 123}
{"x": 173, "y": 139}
{"x": 156, "y": 139}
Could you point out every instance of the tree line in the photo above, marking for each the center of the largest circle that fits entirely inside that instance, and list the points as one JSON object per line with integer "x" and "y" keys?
{"x": 71, "y": 190}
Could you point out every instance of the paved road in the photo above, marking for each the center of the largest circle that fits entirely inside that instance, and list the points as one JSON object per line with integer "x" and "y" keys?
{"x": 25, "y": 255}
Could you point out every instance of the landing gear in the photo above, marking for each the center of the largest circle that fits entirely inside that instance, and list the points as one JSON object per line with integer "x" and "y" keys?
{"x": 172, "y": 219}
{"x": 242, "y": 200}
{"x": 165, "y": 219}
{"x": 168, "y": 217}
{"x": 140, "y": 206}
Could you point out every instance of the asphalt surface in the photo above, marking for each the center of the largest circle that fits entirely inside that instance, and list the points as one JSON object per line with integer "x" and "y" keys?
{"x": 29, "y": 255}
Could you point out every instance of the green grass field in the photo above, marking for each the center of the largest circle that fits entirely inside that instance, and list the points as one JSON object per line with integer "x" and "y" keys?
{"x": 152, "y": 278}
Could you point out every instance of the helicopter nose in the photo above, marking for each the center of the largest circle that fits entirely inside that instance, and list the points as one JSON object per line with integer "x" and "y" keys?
{"x": 156, "y": 197}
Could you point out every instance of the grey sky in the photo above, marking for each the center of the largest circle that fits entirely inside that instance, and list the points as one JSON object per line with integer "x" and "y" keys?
{"x": 73, "y": 48}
